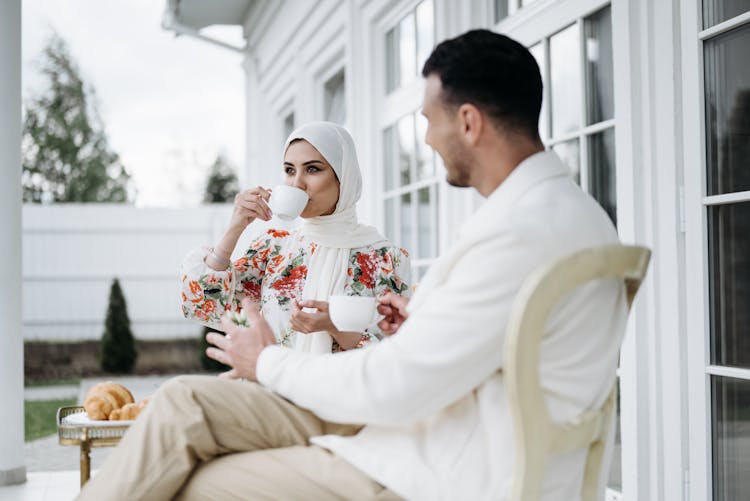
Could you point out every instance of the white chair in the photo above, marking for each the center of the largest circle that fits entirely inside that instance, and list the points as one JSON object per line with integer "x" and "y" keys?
{"x": 537, "y": 436}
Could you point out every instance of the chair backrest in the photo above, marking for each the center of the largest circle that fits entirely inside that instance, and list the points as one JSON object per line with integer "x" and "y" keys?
{"x": 537, "y": 436}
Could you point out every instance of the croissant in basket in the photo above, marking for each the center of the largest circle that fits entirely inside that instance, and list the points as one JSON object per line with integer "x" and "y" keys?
{"x": 128, "y": 411}
{"x": 103, "y": 398}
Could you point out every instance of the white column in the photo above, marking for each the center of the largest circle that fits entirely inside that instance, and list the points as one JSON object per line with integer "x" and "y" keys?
{"x": 12, "y": 468}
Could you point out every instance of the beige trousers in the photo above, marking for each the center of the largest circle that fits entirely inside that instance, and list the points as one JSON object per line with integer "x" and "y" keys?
{"x": 201, "y": 437}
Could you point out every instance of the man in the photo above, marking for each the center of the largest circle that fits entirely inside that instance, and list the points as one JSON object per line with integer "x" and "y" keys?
{"x": 423, "y": 414}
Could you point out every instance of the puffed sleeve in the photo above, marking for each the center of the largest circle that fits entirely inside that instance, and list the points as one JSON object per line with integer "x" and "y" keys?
{"x": 384, "y": 269}
{"x": 207, "y": 293}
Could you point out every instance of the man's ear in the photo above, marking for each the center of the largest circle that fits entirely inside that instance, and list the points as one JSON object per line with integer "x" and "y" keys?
{"x": 471, "y": 122}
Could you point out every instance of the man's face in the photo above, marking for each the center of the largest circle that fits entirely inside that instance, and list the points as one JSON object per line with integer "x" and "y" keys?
{"x": 444, "y": 134}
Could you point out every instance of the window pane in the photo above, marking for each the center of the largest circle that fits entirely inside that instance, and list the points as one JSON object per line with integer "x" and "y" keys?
{"x": 727, "y": 84}
{"x": 406, "y": 142}
{"x": 425, "y": 154}
{"x": 389, "y": 158}
{"x": 538, "y": 52}
{"x": 407, "y": 50}
{"x": 600, "y": 103}
{"x": 425, "y": 224}
{"x": 730, "y": 406}
{"x": 406, "y": 240}
{"x": 615, "y": 469}
{"x": 288, "y": 125}
{"x": 391, "y": 60}
{"x": 717, "y": 11}
{"x": 565, "y": 76}
{"x": 729, "y": 254}
{"x": 390, "y": 219}
{"x": 335, "y": 98}
{"x": 601, "y": 170}
{"x": 570, "y": 154}
{"x": 425, "y": 33}
{"x": 501, "y": 10}
{"x": 417, "y": 272}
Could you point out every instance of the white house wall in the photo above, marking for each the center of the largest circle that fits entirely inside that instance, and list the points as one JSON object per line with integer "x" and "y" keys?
{"x": 294, "y": 46}
{"x": 657, "y": 153}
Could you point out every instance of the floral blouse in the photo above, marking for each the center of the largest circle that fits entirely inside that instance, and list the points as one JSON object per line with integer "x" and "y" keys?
{"x": 272, "y": 273}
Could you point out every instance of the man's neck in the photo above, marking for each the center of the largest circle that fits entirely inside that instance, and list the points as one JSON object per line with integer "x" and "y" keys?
{"x": 498, "y": 162}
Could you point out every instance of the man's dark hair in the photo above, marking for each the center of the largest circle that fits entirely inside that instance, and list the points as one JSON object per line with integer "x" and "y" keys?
{"x": 494, "y": 73}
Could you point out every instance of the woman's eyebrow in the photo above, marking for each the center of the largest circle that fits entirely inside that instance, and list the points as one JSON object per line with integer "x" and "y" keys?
{"x": 308, "y": 162}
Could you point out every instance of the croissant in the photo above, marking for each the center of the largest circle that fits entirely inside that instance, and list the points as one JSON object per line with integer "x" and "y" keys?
{"x": 103, "y": 398}
{"x": 128, "y": 411}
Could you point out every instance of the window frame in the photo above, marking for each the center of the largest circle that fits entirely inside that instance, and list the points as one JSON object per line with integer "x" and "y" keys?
{"x": 696, "y": 203}
{"x": 396, "y": 104}
{"x": 537, "y": 23}
{"x": 324, "y": 79}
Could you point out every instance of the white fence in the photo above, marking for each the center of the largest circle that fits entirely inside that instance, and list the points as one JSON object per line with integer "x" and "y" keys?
{"x": 72, "y": 252}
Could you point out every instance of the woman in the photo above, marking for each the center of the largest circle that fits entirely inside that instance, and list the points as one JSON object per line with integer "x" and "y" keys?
{"x": 291, "y": 274}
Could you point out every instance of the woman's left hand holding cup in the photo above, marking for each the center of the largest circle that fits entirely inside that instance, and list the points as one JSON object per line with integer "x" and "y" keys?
{"x": 309, "y": 322}
{"x": 320, "y": 320}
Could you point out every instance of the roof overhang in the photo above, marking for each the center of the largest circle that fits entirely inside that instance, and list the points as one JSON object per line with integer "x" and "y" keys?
{"x": 188, "y": 17}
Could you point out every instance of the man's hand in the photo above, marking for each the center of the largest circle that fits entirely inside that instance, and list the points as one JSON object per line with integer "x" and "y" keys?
{"x": 241, "y": 346}
{"x": 393, "y": 307}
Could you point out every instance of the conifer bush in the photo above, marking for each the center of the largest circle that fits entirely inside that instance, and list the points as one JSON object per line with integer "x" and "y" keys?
{"x": 118, "y": 351}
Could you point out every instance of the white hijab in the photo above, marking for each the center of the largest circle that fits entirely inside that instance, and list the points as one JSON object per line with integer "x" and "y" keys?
{"x": 336, "y": 234}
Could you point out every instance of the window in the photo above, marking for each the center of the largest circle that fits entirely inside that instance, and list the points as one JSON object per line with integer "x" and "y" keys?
{"x": 577, "y": 118}
{"x": 334, "y": 98}
{"x": 410, "y": 198}
{"x": 727, "y": 202}
{"x": 407, "y": 46}
{"x": 288, "y": 125}
{"x": 504, "y": 8}
{"x": 410, "y": 180}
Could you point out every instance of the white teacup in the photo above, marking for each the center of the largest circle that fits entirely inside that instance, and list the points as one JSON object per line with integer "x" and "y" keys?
{"x": 352, "y": 313}
{"x": 287, "y": 202}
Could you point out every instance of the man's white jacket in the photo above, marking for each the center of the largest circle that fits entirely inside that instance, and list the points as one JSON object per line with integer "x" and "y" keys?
{"x": 431, "y": 397}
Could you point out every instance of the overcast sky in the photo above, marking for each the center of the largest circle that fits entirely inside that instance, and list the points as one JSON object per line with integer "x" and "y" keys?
{"x": 169, "y": 104}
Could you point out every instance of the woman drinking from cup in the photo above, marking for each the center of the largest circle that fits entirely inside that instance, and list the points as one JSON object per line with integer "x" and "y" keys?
{"x": 292, "y": 274}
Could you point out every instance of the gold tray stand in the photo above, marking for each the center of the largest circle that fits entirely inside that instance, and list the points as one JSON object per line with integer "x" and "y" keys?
{"x": 86, "y": 436}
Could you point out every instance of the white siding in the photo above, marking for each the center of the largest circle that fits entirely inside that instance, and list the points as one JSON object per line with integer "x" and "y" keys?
{"x": 72, "y": 252}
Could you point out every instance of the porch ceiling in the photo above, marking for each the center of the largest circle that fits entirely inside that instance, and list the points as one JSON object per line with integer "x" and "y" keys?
{"x": 198, "y": 14}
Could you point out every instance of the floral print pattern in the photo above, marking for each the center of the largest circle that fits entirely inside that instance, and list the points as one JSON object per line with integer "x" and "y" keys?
{"x": 272, "y": 273}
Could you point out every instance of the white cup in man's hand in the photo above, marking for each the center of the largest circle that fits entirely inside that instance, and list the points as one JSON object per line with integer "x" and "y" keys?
{"x": 352, "y": 313}
{"x": 287, "y": 202}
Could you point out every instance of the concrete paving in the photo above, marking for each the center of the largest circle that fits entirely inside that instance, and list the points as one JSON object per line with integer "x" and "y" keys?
{"x": 46, "y": 454}
{"x": 51, "y": 392}
{"x": 44, "y": 486}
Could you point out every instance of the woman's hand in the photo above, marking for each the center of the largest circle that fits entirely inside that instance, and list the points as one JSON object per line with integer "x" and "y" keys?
{"x": 307, "y": 323}
{"x": 250, "y": 205}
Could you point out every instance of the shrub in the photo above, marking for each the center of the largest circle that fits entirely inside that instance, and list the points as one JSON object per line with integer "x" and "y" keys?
{"x": 118, "y": 352}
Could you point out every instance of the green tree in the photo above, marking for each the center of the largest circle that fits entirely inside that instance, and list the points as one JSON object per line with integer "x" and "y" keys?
{"x": 118, "y": 345}
{"x": 222, "y": 184}
{"x": 66, "y": 153}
